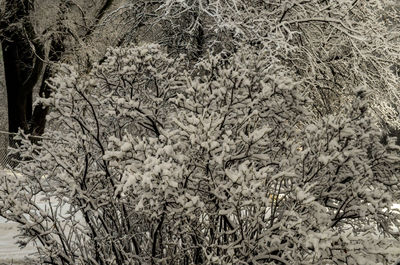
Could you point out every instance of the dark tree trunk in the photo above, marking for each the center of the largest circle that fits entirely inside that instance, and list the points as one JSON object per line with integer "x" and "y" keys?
{"x": 16, "y": 113}
{"x": 22, "y": 65}
{"x": 40, "y": 112}
{"x": 23, "y": 55}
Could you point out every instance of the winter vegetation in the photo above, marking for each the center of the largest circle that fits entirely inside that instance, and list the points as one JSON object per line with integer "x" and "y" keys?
{"x": 211, "y": 132}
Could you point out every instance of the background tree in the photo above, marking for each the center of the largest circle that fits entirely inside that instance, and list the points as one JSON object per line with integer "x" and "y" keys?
{"x": 22, "y": 68}
{"x": 333, "y": 46}
{"x": 3, "y": 118}
{"x": 33, "y": 45}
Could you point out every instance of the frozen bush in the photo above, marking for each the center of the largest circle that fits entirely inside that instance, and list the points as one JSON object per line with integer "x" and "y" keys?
{"x": 153, "y": 162}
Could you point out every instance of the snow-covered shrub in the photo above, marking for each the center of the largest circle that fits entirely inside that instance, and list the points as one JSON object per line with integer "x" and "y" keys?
{"x": 153, "y": 162}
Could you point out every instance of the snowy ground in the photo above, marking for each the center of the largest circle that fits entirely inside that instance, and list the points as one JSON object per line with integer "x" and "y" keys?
{"x": 10, "y": 253}
{"x": 9, "y": 250}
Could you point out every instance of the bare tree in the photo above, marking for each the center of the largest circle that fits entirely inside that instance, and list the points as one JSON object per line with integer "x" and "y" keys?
{"x": 27, "y": 61}
{"x": 335, "y": 46}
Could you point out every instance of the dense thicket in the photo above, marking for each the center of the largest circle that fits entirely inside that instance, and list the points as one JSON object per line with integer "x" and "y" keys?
{"x": 249, "y": 136}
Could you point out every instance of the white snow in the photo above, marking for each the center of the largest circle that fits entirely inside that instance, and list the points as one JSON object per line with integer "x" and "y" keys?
{"x": 9, "y": 250}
